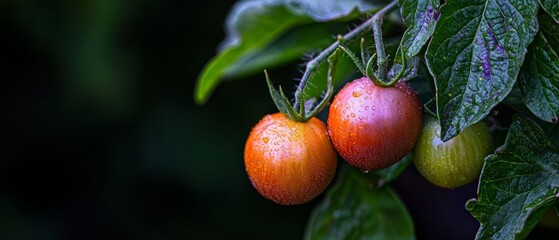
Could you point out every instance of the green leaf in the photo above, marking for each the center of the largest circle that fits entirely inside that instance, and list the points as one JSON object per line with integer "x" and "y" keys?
{"x": 420, "y": 17}
{"x": 353, "y": 209}
{"x": 475, "y": 55}
{"x": 290, "y": 46}
{"x": 253, "y": 26}
{"x": 517, "y": 184}
{"x": 551, "y": 7}
{"x": 539, "y": 78}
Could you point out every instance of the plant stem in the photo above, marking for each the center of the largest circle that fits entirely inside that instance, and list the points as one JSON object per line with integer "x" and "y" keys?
{"x": 313, "y": 64}
{"x": 379, "y": 45}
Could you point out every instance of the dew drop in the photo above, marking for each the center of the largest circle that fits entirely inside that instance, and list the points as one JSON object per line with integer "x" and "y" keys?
{"x": 352, "y": 115}
{"x": 357, "y": 93}
{"x": 365, "y": 171}
{"x": 265, "y": 139}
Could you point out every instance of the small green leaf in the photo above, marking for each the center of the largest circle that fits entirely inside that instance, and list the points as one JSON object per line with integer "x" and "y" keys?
{"x": 420, "y": 17}
{"x": 551, "y": 7}
{"x": 517, "y": 184}
{"x": 539, "y": 78}
{"x": 475, "y": 55}
{"x": 354, "y": 209}
{"x": 255, "y": 26}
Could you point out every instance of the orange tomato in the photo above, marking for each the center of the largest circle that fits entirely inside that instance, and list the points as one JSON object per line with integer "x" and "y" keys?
{"x": 289, "y": 162}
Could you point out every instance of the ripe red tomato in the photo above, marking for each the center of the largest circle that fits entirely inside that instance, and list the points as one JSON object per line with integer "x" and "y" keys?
{"x": 374, "y": 127}
{"x": 289, "y": 162}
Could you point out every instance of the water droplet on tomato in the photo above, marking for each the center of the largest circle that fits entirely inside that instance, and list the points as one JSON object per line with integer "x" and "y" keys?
{"x": 357, "y": 93}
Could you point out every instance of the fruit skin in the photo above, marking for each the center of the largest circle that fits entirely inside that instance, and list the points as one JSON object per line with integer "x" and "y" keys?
{"x": 455, "y": 162}
{"x": 374, "y": 127}
{"x": 289, "y": 162}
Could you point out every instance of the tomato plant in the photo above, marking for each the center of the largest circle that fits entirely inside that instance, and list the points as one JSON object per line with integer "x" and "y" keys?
{"x": 289, "y": 162}
{"x": 455, "y": 162}
{"x": 373, "y": 127}
{"x": 463, "y": 60}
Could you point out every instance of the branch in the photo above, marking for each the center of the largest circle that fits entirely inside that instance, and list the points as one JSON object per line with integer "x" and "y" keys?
{"x": 323, "y": 56}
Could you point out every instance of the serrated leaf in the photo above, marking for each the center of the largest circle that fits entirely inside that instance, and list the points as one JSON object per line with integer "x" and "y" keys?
{"x": 354, "y": 209}
{"x": 253, "y": 26}
{"x": 517, "y": 183}
{"x": 420, "y": 17}
{"x": 551, "y": 7}
{"x": 539, "y": 78}
{"x": 475, "y": 55}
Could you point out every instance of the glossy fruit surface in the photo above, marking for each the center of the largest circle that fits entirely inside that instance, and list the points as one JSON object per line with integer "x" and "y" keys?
{"x": 289, "y": 162}
{"x": 455, "y": 162}
{"x": 374, "y": 127}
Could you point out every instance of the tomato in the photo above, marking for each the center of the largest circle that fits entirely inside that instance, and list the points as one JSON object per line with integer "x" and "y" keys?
{"x": 455, "y": 162}
{"x": 289, "y": 162}
{"x": 374, "y": 127}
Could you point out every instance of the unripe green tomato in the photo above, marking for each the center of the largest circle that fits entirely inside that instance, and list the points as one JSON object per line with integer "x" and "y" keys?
{"x": 455, "y": 162}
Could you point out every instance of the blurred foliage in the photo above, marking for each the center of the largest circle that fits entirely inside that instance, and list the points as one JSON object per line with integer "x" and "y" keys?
{"x": 104, "y": 140}
{"x": 265, "y": 34}
{"x": 354, "y": 209}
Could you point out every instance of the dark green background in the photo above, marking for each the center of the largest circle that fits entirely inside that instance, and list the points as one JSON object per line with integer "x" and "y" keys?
{"x": 102, "y": 139}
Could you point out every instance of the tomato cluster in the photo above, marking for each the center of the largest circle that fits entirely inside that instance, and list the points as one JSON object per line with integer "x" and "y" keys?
{"x": 370, "y": 127}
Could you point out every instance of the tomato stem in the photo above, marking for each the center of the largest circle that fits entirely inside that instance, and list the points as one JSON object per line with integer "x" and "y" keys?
{"x": 379, "y": 45}
{"x": 323, "y": 56}
{"x": 313, "y": 64}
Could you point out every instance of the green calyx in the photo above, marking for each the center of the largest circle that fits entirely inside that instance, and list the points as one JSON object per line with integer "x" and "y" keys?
{"x": 366, "y": 64}
{"x": 304, "y": 109}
